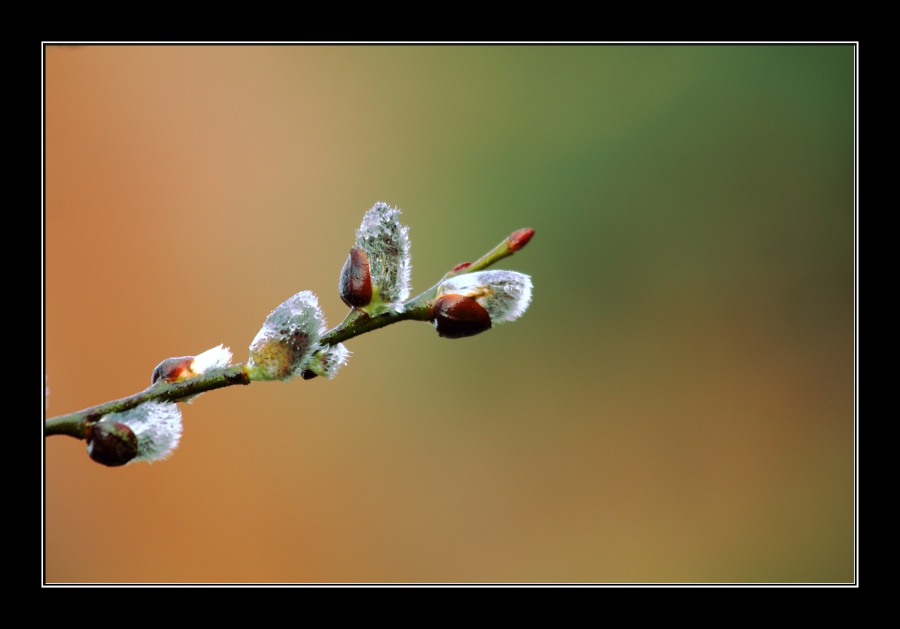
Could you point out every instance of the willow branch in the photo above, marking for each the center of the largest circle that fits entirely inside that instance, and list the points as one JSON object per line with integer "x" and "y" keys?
{"x": 75, "y": 424}
{"x": 357, "y": 322}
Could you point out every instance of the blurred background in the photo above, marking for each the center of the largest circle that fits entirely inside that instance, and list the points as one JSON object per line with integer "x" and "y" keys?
{"x": 675, "y": 406}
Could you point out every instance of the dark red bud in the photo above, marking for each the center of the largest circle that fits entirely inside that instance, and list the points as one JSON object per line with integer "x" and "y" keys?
{"x": 355, "y": 286}
{"x": 457, "y": 316}
{"x": 308, "y": 374}
{"x": 519, "y": 238}
{"x": 462, "y": 265}
{"x": 111, "y": 444}
{"x": 171, "y": 368}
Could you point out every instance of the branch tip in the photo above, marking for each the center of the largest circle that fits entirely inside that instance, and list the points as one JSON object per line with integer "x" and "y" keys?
{"x": 519, "y": 238}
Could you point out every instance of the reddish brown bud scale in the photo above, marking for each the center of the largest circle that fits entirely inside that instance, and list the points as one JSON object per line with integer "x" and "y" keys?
{"x": 111, "y": 444}
{"x": 171, "y": 369}
{"x": 458, "y": 316}
{"x": 519, "y": 238}
{"x": 355, "y": 286}
{"x": 462, "y": 265}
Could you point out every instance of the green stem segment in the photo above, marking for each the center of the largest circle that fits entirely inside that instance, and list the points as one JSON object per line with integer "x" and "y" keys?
{"x": 356, "y": 323}
{"x": 499, "y": 252}
{"x": 75, "y": 424}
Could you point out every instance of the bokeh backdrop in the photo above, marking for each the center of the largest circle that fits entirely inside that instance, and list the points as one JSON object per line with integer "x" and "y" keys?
{"x": 676, "y": 406}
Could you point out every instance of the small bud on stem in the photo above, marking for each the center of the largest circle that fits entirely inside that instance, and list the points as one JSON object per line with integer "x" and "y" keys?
{"x": 516, "y": 240}
{"x": 172, "y": 369}
{"x": 355, "y": 286}
{"x": 519, "y": 238}
{"x": 111, "y": 443}
{"x": 326, "y": 362}
{"x": 184, "y": 367}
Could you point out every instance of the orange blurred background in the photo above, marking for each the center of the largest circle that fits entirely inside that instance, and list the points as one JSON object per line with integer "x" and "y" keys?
{"x": 675, "y": 406}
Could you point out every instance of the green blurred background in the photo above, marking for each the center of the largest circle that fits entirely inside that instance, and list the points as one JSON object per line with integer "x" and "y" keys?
{"x": 676, "y": 405}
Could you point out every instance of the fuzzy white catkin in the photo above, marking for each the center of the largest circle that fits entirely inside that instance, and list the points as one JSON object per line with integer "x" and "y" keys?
{"x": 287, "y": 340}
{"x": 157, "y": 426}
{"x": 215, "y": 358}
{"x": 386, "y": 244}
{"x": 504, "y": 294}
{"x": 327, "y": 361}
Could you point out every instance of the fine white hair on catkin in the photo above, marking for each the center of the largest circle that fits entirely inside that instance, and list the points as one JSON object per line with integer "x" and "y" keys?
{"x": 157, "y": 426}
{"x": 386, "y": 243}
{"x": 215, "y": 358}
{"x": 329, "y": 360}
{"x": 504, "y": 294}
{"x": 288, "y": 339}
